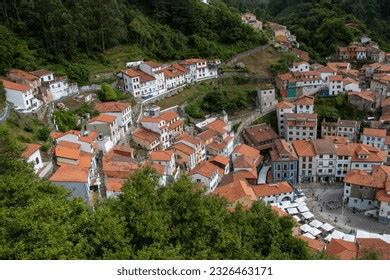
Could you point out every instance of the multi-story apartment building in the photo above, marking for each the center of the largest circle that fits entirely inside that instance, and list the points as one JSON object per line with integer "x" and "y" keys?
{"x": 284, "y": 161}
{"x": 374, "y": 137}
{"x": 325, "y": 152}
{"x": 21, "y": 96}
{"x": 121, "y": 110}
{"x": 345, "y": 128}
{"x": 300, "y": 126}
{"x": 335, "y": 85}
{"x": 307, "y": 164}
{"x": 304, "y": 104}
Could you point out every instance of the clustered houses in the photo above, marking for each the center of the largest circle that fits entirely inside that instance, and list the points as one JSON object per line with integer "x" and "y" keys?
{"x": 75, "y": 157}
{"x": 331, "y": 80}
{"x": 322, "y": 160}
{"x": 344, "y": 128}
{"x": 283, "y": 36}
{"x": 251, "y": 19}
{"x": 27, "y": 91}
{"x": 159, "y": 132}
{"x": 369, "y": 190}
{"x": 149, "y": 79}
{"x": 364, "y": 50}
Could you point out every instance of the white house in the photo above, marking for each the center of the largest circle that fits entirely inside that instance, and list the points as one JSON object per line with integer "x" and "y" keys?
{"x": 155, "y": 70}
{"x": 137, "y": 83}
{"x": 335, "y": 85}
{"x": 21, "y": 96}
{"x": 107, "y": 127}
{"x": 207, "y": 174}
{"x": 274, "y": 193}
{"x": 32, "y": 154}
{"x": 167, "y": 160}
{"x": 300, "y": 67}
{"x": 374, "y": 137}
{"x": 121, "y": 110}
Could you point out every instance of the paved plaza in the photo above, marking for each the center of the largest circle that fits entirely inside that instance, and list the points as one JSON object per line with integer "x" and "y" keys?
{"x": 342, "y": 217}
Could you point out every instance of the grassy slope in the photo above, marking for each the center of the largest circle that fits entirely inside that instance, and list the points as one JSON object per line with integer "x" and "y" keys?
{"x": 259, "y": 62}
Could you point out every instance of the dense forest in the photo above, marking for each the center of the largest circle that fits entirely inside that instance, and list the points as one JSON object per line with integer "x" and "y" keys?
{"x": 37, "y": 221}
{"x": 36, "y": 32}
{"x": 322, "y": 25}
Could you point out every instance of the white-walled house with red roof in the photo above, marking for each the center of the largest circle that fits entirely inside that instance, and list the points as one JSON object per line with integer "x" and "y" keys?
{"x": 21, "y": 96}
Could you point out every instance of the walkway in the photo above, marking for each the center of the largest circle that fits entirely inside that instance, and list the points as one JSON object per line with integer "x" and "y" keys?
{"x": 341, "y": 218}
{"x": 5, "y": 113}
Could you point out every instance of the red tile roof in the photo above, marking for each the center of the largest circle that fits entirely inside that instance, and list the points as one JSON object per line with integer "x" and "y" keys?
{"x": 235, "y": 191}
{"x": 344, "y": 250}
{"x": 161, "y": 155}
{"x": 30, "y": 149}
{"x": 304, "y": 148}
{"x": 66, "y": 152}
{"x": 246, "y": 150}
{"x": 374, "y": 132}
{"x": 206, "y": 169}
{"x": 69, "y": 144}
{"x": 70, "y": 173}
{"x": 115, "y": 184}
{"x": 23, "y": 74}
{"x": 146, "y": 135}
{"x": 103, "y": 118}
{"x": 272, "y": 189}
{"x": 106, "y": 107}
{"x": 220, "y": 159}
{"x": 15, "y": 86}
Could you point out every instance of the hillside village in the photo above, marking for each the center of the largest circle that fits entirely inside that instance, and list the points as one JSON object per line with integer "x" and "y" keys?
{"x": 270, "y": 164}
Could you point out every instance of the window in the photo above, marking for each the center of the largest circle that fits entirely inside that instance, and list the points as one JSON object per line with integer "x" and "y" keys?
{"x": 37, "y": 160}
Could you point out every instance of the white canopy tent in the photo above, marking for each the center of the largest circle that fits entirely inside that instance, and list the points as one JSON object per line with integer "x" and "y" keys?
{"x": 315, "y": 231}
{"x": 307, "y": 215}
{"x": 305, "y": 228}
{"x": 335, "y": 235}
{"x": 327, "y": 227}
{"x": 292, "y": 211}
{"x": 349, "y": 237}
{"x": 308, "y": 235}
{"x": 316, "y": 223}
{"x": 303, "y": 208}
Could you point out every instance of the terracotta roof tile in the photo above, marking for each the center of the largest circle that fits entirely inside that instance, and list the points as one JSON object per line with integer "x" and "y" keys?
{"x": 103, "y": 118}
{"x": 107, "y": 107}
{"x": 235, "y": 191}
{"x": 272, "y": 189}
{"x": 161, "y": 155}
{"x": 146, "y": 135}
{"x": 70, "y": 173}
{"x": 115, "y": 184}
{"x": 66, "y": 152}
{"x": 374, "y": 132}
{"x": 15, "y": 86}
{"x": 206, "y": 169}
{"x": 344, "y": 250}
{"x": 30, "y": 149}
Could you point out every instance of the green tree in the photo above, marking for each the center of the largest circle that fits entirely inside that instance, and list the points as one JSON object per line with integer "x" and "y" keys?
{"x": 66, "y": 120}
{"x": 107, "y": 93}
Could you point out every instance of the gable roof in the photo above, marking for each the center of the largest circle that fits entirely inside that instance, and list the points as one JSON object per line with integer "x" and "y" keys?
{"x": 161, "y": 155}
{"x": 206, "y": 169}
{"x": 304, "y": 148}
{"x": 103, "y": 118}
{"x": 272, "y": 189}
{"x": 30, "y": 149}
{"x": 70, "y": 173}
{"x": 235, "y": 191}
{"x": 344, "y": 250}
{"x": 374, "y": 132}
{"x": 106, "y": 107}
{"x": 15, "y": 86}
